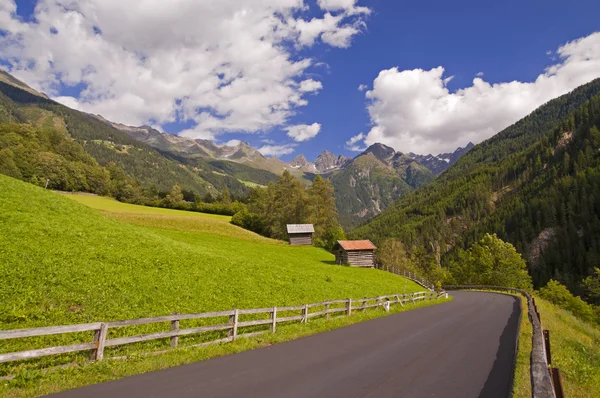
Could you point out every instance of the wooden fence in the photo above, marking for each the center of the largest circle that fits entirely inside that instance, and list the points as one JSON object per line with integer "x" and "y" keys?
{"x": 408, "y": 275}
{"x": 545, "y": 380}
{"x": 100, "y": 329}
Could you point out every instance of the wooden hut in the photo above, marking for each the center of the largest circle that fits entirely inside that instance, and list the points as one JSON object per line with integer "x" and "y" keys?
{"x": 355, "y": 253}
{"x": 300, "y": 234}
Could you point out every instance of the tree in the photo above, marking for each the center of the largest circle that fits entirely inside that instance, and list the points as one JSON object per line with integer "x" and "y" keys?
{"x": 592, "y": 284}
{"x": 392, "y": 253}
{"x": 225, "y": 197}
{"x": 288, "y": 202}
{"x": 491, "y": 261}
{"x": 323, "y": 213}
{"x": 174, "y": 198}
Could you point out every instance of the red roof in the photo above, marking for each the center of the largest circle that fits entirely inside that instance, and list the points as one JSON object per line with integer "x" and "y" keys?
{"x": 357, "y": 244}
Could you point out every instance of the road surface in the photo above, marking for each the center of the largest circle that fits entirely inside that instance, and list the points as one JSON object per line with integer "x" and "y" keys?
{"x": 464, "y": 348}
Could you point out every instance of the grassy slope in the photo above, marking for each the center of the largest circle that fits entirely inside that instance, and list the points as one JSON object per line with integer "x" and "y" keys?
{"x": 111, "y": 205}
{"x": 62, "y": 262}
{"x": 575, "y": 349}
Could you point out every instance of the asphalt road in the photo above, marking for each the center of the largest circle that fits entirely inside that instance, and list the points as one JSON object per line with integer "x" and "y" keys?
{"x": 464, "y": 348}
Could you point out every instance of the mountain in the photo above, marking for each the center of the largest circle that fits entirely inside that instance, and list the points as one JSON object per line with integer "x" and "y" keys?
{"x": 300, "y": 163}
{"x": 327, "y": 162}
{"x": 142, "y": 153}
{"x": 536, "y": 185}
{"x": 437, "y": 164}
{"x": 373, "y": 180}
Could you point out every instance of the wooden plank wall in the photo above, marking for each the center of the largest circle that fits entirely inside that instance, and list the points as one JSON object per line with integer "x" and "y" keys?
{"x": 356, "y": 258}
{"x": 300, "y": 239}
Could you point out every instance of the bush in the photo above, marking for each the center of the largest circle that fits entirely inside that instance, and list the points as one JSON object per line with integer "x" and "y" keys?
{"x": 558, "y": 294}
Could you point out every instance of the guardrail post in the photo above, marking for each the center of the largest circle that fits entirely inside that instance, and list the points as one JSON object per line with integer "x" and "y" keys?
{"x": 100, "y": 340}
{"x": 274, "y": 320}
{"x": 233, "y": 320}
{"x": 175, "y": 326}
{"x": 547, "y": 346}
{"x": 557, "y": 382}
{"x": 349, "y": 307}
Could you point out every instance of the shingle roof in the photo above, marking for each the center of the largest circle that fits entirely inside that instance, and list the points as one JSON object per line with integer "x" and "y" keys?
{"x": 357, "y": 245}
{"x": 300, "y": 228}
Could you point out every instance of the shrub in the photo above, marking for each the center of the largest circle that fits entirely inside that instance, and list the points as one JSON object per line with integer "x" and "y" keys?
{"x": 558, "y": 294}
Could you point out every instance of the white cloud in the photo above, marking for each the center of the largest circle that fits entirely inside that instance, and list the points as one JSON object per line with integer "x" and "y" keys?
{"x": 413, "y": 110}
{"x": 348, "y": 6}
{"x": 276, "y": 150}
{"x": 362, "y": 87}
{"x": 310, "y": 85}
{"x": 351, "y": 144}
{"x": 233, "y": 143}
{"x": 479, "y": 74}
{"x": 8, "y": 19}
{"x": 226, "y": 65}
{"x": 303, "y": 132}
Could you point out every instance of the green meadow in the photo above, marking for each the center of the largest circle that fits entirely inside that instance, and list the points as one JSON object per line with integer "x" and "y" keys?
{"x": 67, "y": 259}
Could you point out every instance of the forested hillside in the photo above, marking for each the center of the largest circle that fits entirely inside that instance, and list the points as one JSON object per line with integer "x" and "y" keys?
{"x": 536, "y": 184}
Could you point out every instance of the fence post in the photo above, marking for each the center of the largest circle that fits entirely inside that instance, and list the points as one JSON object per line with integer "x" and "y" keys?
{"x": 304, "y": 314}
{"x": 233, "y": 319}
{"x": 349, "y": 307}
{"x": 364, "y": 304}
{"x": 274, "y": 320}
{"x": 327, "y": 311}
{"x": 175, "y": 326}
{"x": 100, "y": 340}
{"x": 412, "y": 297}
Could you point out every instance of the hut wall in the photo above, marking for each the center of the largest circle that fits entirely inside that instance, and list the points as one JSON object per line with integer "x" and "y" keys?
{"x": 360, "y": 258}
{"x": 300, "y": 239}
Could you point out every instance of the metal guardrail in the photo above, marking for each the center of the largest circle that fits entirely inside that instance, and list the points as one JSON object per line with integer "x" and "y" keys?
{"x": 100, "y": 329}
{"x": 545, "y": 380}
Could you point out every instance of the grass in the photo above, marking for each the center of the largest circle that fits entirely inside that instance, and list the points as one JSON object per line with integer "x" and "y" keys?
{"x": 522, "y": 381}
{"x": 62, "y": 262}
{"x": 575, "y": 348}
{"x": 114, "y": 206}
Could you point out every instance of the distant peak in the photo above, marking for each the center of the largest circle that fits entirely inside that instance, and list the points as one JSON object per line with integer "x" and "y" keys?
{"x": 381, "y": 152}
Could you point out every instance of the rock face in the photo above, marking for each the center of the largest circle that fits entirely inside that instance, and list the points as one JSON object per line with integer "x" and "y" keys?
{"x": 437, "y": 164}
{"x": 300, "y": 163}
{"x": 327, "y": 161}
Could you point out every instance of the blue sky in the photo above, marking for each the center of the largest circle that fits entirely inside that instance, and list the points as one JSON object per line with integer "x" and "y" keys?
{"x": 507, "y": 41}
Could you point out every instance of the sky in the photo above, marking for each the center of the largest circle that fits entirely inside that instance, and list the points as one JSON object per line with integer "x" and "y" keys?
{"x": 300, "y": 76}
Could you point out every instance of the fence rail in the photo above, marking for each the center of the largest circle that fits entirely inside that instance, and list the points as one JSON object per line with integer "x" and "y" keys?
{"x": 100, "y": 329}
{"x": 545, "y": 380}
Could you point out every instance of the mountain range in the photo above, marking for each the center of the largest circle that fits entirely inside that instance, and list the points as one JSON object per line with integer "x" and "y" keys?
{"x": 364, "y": 185}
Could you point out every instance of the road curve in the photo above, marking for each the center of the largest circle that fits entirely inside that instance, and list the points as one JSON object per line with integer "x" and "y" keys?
{"x": 464, "y": 348}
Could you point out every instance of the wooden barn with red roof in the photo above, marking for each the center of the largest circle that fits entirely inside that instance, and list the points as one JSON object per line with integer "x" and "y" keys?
{"x": 355, "y": 253}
